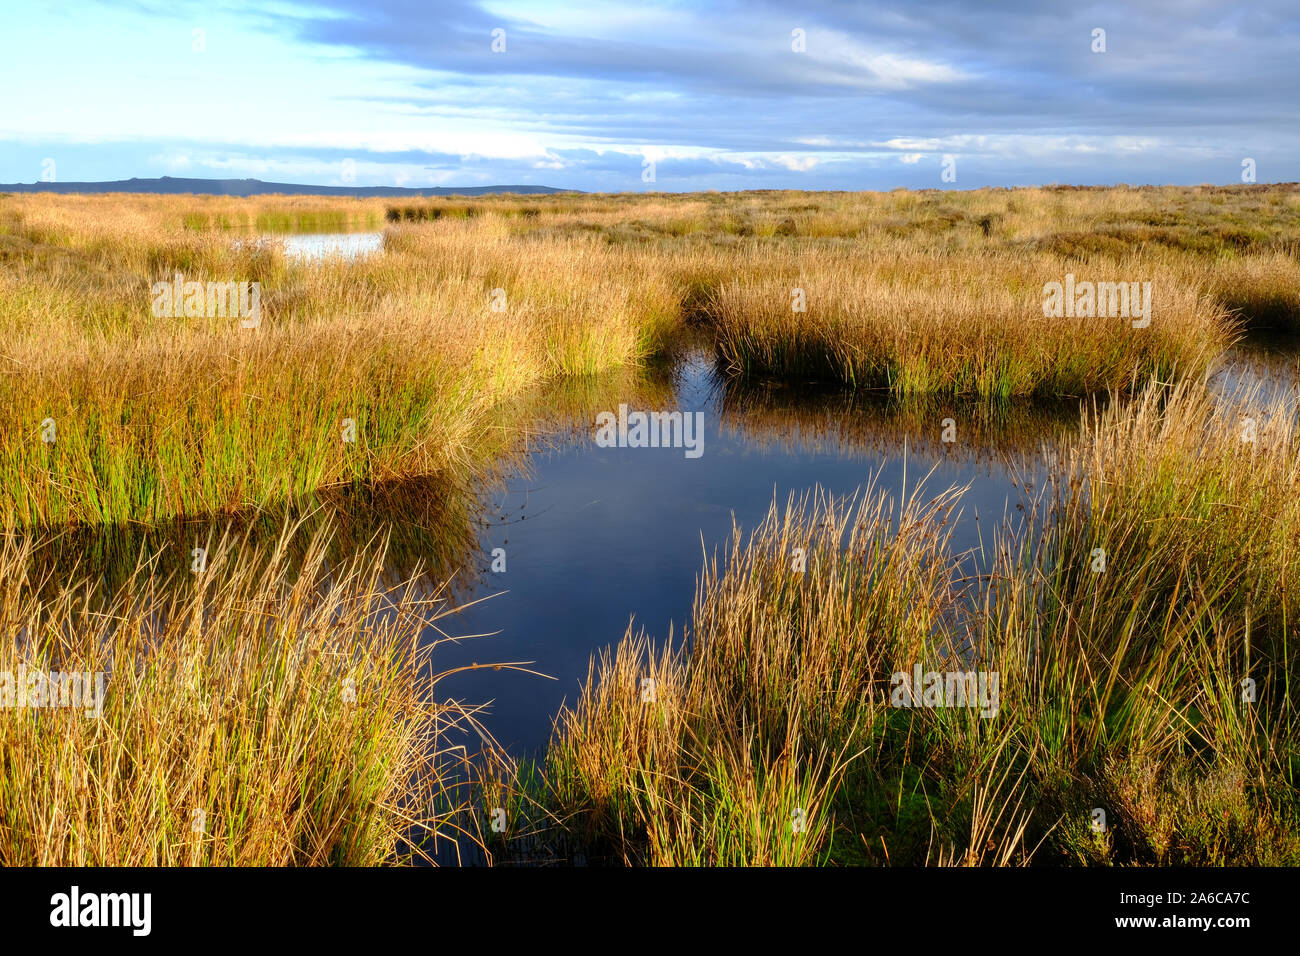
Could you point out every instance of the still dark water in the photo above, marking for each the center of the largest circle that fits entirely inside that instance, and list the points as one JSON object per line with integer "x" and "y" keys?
{"x": 596, "y": 537}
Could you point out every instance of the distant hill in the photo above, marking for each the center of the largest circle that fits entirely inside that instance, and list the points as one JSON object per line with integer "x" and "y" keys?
{"x": 255, "y": 187}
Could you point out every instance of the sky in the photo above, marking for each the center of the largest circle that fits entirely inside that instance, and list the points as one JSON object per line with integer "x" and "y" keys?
{"x": 663, "y": 96}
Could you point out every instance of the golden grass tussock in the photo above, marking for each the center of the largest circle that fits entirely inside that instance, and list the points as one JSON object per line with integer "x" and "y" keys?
{"x": 247, "y": 716}
{"x": 727, "y": 751}
{"x": 920, "y": 325}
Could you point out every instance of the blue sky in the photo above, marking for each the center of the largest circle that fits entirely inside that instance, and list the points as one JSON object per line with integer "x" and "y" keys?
{"x": 411, "y": 92}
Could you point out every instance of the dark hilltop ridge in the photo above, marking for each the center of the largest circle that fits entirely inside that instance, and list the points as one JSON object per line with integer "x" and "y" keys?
{"x": 255, "y": 187}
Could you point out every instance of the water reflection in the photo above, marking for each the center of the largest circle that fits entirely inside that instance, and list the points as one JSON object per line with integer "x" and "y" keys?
{"x": 311, "y": 247}
{"x": 1262, "y": 365}
{"x": 593, "y": 537}
{"x": 430, "y": 528}
{"x": 843, "y": 422}
{"x": 336, "y": 245}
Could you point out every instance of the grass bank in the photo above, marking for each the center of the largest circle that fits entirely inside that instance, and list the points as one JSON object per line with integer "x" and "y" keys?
{"x": 959, "y": 325}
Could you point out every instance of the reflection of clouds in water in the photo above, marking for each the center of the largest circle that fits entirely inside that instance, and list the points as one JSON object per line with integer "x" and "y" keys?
{"x": 317, "y": 247}
{"x": 1255, "y": 370}
{"x": 333, "y": 245}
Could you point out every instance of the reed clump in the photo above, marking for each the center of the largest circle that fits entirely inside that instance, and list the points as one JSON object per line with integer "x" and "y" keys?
{"x": 919, "y": 325}
{"x": 729, "y": 750}
{"x": 359, "y": 373}
{"x": 250, "y": 715}
{"x": 1163, "y": 621}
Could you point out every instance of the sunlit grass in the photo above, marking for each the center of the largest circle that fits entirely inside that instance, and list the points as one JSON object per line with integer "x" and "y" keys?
{"x": 473, "y": 302}
{"x": 253, "y": 715}
{"x": 769, "y": 738}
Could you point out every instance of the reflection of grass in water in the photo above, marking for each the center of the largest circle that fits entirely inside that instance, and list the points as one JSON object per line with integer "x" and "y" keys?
{"x": 424, "y": 524}
{"x": 1268, "y": 362}
{"x": 562, "y": 414}
{"x": 854, "y": 423}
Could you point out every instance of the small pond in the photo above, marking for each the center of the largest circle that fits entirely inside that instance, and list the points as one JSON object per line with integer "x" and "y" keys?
{"x": 595, "y": 537}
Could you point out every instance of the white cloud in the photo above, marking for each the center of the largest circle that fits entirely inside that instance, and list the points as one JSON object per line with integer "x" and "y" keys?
{"x": 799, "y": 164}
